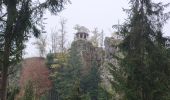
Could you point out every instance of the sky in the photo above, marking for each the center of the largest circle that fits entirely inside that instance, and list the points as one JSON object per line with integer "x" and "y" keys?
{"x": 89, "y": 13}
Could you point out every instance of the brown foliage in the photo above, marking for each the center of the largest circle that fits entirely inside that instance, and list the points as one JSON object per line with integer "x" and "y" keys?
{"x": 35, "y": 70}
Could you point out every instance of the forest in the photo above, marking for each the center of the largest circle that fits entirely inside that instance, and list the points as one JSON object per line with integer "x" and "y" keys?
{"x": 131, "y": 64}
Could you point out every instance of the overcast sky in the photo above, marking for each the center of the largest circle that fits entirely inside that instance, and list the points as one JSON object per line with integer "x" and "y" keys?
{"x": 89, "y": 13}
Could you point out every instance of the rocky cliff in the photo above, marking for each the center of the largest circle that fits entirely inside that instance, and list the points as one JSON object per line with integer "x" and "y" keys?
{"x": 111, "y": 50}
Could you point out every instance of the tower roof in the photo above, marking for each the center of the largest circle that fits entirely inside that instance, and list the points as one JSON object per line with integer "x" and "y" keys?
{"x": 83, "y": 33}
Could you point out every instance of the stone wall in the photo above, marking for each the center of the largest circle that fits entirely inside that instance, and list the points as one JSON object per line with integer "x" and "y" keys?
{"x": 88, "y": 54}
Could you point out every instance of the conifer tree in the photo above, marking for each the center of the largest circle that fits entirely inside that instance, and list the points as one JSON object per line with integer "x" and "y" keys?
{"x": 144, "y": 72}
{"x": 67, "y": 80}
{"x": 18, "y": 19}
{"x": 90, "y": 83}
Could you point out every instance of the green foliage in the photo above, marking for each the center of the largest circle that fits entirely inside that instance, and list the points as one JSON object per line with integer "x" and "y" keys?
{"x": 85, "y": 97}
{"x": 12, "y": 93}
{"x": 144, "y": 71}
{"x": 69, "y": 81}
{"x": 168, "y": 53}
{"x": 28, "y": 93}
{"x": 103, "y": 94}
{"x": 19, "y": 19}
{"x": 49, "y": 59}
{"x": 56, "y": 61}
{"x": 67, "y": 78}
{"x": 13, "y": 85}
{"x": 90, "y": 82}
{"x": 75, "y": 95}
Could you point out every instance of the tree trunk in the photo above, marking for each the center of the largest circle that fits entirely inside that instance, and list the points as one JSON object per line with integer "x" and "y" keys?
{"x": 11, "y": 18}
{"x": 5, "y": 70}
{"x": 4, "y": 85}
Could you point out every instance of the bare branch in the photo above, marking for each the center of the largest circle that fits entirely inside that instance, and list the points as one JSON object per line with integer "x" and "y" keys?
{"x": 39, "y": 6}
{"x": 1, "y": 18}
{"x": 3, "y": 15}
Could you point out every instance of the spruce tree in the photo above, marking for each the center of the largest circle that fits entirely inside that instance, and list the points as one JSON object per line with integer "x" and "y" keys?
{"x": 20, "y": 18}
{"x": 67, "y": 79}
{"x": 90, "y": 83}
{"x": 144, "y": 72}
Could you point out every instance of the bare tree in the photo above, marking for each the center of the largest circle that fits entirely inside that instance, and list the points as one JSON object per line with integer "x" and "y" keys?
{"x": 41, "y": 45}
{"x": 54, "y": 41}
{"x": 101, "y": 38}
{"x": 95, "y": 38}
{"x": 58, "y": 38}
{"x": 62, "y": 32}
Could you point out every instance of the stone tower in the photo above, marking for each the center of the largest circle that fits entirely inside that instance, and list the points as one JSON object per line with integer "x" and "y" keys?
{"x": 88, "y": 53}
{"x": 81, "y": 35}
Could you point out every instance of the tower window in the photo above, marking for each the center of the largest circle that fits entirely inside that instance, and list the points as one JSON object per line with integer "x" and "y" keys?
{"x": 85, "y": 36}
{"x": 81, "y": 36}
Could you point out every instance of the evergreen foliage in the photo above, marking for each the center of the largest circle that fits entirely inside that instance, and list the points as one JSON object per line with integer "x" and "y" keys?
{"x": 90, "y": 82}
{"x": 71, "y": 83}
{"x": 28, "y": 93}
{"x": 103, "y": 94}
{"x": 19, "y": 19}
{"x": 144, "y": 71}
{"x": 13, "y": 86}
{"x": 67, "y": 79}
{"x": 13, "y": 92}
